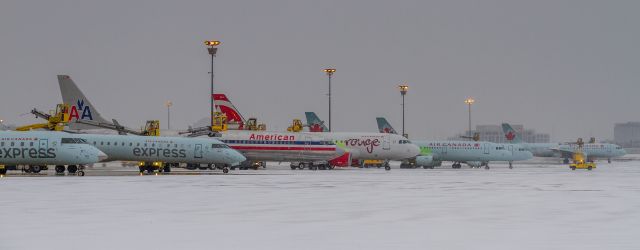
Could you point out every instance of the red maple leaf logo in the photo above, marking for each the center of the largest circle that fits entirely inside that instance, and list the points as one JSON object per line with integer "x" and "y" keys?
{"x": 510, "y": 136}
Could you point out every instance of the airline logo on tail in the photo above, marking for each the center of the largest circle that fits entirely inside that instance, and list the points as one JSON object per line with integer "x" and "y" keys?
{"x": 384, "y": 126}
{"x": 80, "y": 111}
{"x": 510, "y": 136}
{"x": 315, "y": 124}
{"x": 226, "y": 107}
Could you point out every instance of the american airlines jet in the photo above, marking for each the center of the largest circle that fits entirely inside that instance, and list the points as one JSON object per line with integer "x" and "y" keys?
{"x": 373, "y": 146}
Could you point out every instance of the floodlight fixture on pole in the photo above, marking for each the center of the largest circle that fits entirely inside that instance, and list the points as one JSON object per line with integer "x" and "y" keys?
{"x": 403, "y": 91}
{"x": 329, "y": 73}
{"x": 469, "y": 101}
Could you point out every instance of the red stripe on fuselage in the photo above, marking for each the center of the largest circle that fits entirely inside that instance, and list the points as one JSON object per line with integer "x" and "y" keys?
{"x": 239, "y": 147}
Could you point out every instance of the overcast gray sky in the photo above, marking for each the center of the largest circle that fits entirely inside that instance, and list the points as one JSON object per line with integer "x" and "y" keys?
{"x": 569, "y": 68}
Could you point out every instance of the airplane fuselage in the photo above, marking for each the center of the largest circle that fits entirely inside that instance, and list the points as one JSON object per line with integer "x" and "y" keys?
{"x": 164, "y": 149}
{"x": 45, "y": 148}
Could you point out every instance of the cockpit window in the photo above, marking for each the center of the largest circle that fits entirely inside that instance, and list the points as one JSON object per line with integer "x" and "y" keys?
{"x": 404, "y": 142}
{"x": 219, "y": 146}
{"x": 73, "y": 141}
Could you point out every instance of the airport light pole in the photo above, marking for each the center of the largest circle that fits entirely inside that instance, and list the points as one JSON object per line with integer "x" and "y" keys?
{"x": 329, "y": 74}
{"x": 212, "y": 49}
{"x": 403, "y": 92}
{"x": 168, "y": 104}
{"x": 469, "y": 101}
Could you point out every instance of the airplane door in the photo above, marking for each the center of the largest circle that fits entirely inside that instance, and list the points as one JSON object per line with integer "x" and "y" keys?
{"x": 486, "y": 149}
{"x": 307, "y": 145}
{"x": 197, "y": 153}
{"x": 386, "y": 143}
{"x": 511, "y": 149}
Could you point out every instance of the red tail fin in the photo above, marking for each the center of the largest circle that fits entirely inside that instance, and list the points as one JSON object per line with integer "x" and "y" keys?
{"x": 234, "y": 118}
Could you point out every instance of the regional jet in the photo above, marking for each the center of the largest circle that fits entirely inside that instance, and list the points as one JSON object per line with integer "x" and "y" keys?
{"x": 37, "y": 149}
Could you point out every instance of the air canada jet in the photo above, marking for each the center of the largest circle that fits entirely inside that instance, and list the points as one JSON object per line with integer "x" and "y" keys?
{"x": 371, "y": 146}
{"x": 592, "y": 150}
{"x": 256, "y": 146}
{"x": 37, "y": 149}
{"x": 473, "y": 153}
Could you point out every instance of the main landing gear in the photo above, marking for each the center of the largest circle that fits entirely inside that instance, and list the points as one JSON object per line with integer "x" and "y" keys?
{"x": 456, "y": 165}
{"x": 71, "y": 169}
{"x": 510, "y": 165}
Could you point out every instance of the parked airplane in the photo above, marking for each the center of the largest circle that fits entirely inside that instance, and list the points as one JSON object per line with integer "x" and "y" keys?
{"x": 373, "y": 146}
{"x": 256, "y": 146}
{"x": 592, "y": 151}
{"x": 164, "y": 149}
{"x": 37, "y": 149}
{"x": 473, "y": 153}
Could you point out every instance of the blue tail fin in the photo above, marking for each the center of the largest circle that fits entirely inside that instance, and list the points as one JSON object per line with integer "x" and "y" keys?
{"x": 384, "y": 126}
{"x": 314, "y": 122}
{"x": 511, "y": 134}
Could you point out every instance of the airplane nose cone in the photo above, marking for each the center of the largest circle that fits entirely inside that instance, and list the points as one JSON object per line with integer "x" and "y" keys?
{"x": 237, "y": 156}
{"x": 414, "y": 150}
{"x": 102, "y": 156}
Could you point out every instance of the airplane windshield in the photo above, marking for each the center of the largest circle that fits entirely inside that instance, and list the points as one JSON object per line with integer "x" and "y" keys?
{"x": 219, "y": 146}
{"x": 73, "y": 141}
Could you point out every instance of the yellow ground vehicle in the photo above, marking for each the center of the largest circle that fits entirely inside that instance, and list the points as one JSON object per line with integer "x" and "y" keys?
{"x": 373, "y": 163}
{"x": 579, "y": 161}
{"x": 583, "y": 165}
{"x": 3, "y": 170}
{"x": 56, "y": 120}
{"x": 152, "y": 128}
{"x": 296, "y": 126}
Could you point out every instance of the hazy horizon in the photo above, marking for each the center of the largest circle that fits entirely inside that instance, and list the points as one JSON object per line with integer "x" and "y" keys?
{"x": 567, "y": 68}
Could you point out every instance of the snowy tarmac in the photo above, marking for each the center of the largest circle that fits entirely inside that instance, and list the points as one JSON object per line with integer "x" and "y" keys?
{"x": 533, "y": 206}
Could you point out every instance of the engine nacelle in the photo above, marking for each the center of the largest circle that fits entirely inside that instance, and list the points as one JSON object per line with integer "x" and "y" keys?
{"x": 425, "y": 161}
{"x": 475, "y": 164}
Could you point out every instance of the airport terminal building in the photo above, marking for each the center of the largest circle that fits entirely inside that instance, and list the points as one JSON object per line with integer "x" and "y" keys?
{"x": 494, "y": 133}
{"x": 627, "y": 134}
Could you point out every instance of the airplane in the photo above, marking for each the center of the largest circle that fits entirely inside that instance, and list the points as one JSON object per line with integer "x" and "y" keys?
{"x": 473, "y": 153}
{"x": 373, "y": 146}
{"x": 164, "y": 149}
{"x": 256, "y": 146}
{"x": 591, "y": 151}
{"x": 37, "y": 149}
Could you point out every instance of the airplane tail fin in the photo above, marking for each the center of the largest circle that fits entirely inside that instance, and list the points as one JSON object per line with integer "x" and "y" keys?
{"x": 511, "y": 134}
{"x": 80, "y": 106}
{"x": 314, "y": 122}
{"x": 224, "y": 105}
{"x": 384, "y": 126}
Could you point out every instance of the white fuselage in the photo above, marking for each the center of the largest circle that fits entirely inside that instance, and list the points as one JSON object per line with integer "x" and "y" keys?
{"x": 164, "y": 149}
{"x": 472, "y": 151}
{"x": 45, "y": 148}
{"x": 280, "y": 146}
{"x": 372, "y": 146}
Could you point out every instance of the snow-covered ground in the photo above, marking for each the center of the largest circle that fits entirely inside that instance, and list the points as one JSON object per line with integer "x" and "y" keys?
{"x": 530, "y": 207}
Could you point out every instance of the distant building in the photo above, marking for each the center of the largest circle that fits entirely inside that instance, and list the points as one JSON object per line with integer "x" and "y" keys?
{"x": 627, "y": 134}
{"x": 494, "y": 133}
